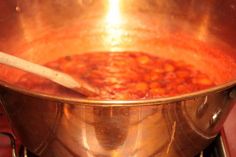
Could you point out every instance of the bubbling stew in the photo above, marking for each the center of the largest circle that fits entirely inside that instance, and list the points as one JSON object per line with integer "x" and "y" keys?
{"x": 122, "y": 76}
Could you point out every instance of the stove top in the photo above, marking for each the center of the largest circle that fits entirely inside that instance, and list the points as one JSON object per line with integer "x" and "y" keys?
{"x": 216, "y": 149}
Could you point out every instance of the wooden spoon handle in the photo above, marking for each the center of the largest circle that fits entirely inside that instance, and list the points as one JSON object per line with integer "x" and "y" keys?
{"x": 53, "y": 75}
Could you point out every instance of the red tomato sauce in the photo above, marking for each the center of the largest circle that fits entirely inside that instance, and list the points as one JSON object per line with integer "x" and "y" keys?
{"x": 123, "y": 75}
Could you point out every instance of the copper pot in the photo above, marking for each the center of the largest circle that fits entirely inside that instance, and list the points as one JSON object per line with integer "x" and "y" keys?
{"x": 178, "y": 126}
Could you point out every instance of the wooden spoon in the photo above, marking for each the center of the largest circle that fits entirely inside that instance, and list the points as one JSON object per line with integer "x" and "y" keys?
{"x": 60, "y": 78}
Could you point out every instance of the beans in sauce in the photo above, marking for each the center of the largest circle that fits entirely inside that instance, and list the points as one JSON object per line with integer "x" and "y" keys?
{"x": 123, "y": 75}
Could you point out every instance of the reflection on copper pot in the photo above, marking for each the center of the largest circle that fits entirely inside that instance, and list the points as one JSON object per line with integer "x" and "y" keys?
{"x": 41, "y": 31}
{"x": 61, "y": 129}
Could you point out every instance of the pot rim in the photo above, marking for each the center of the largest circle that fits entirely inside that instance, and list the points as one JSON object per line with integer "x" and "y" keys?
{"x": 113, "y": 103}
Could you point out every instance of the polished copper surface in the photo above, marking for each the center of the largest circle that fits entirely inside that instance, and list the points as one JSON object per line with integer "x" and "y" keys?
{"x": 61, "y": 129}
{"x": 41, "y": 31}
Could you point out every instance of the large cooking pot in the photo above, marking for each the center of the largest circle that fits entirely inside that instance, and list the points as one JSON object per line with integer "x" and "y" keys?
{"x": 201, "y": 33}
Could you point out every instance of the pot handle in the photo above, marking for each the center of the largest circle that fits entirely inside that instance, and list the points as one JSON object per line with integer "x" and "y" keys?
{"x": 217, "y": 116}
{"x": 13, "y": 142}
{"x": 13, "y": 145}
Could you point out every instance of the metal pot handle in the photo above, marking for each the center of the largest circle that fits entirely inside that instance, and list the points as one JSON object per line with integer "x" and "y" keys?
{"x": 216, "y": 117}
{"x": 13, "y": 142}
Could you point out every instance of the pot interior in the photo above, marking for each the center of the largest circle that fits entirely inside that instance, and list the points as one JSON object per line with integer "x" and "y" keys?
{"x": 118, "y": 26}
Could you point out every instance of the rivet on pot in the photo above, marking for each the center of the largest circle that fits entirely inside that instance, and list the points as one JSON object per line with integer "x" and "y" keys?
{"x": 215, "y": 118}
{"x": 232, "y": 93}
